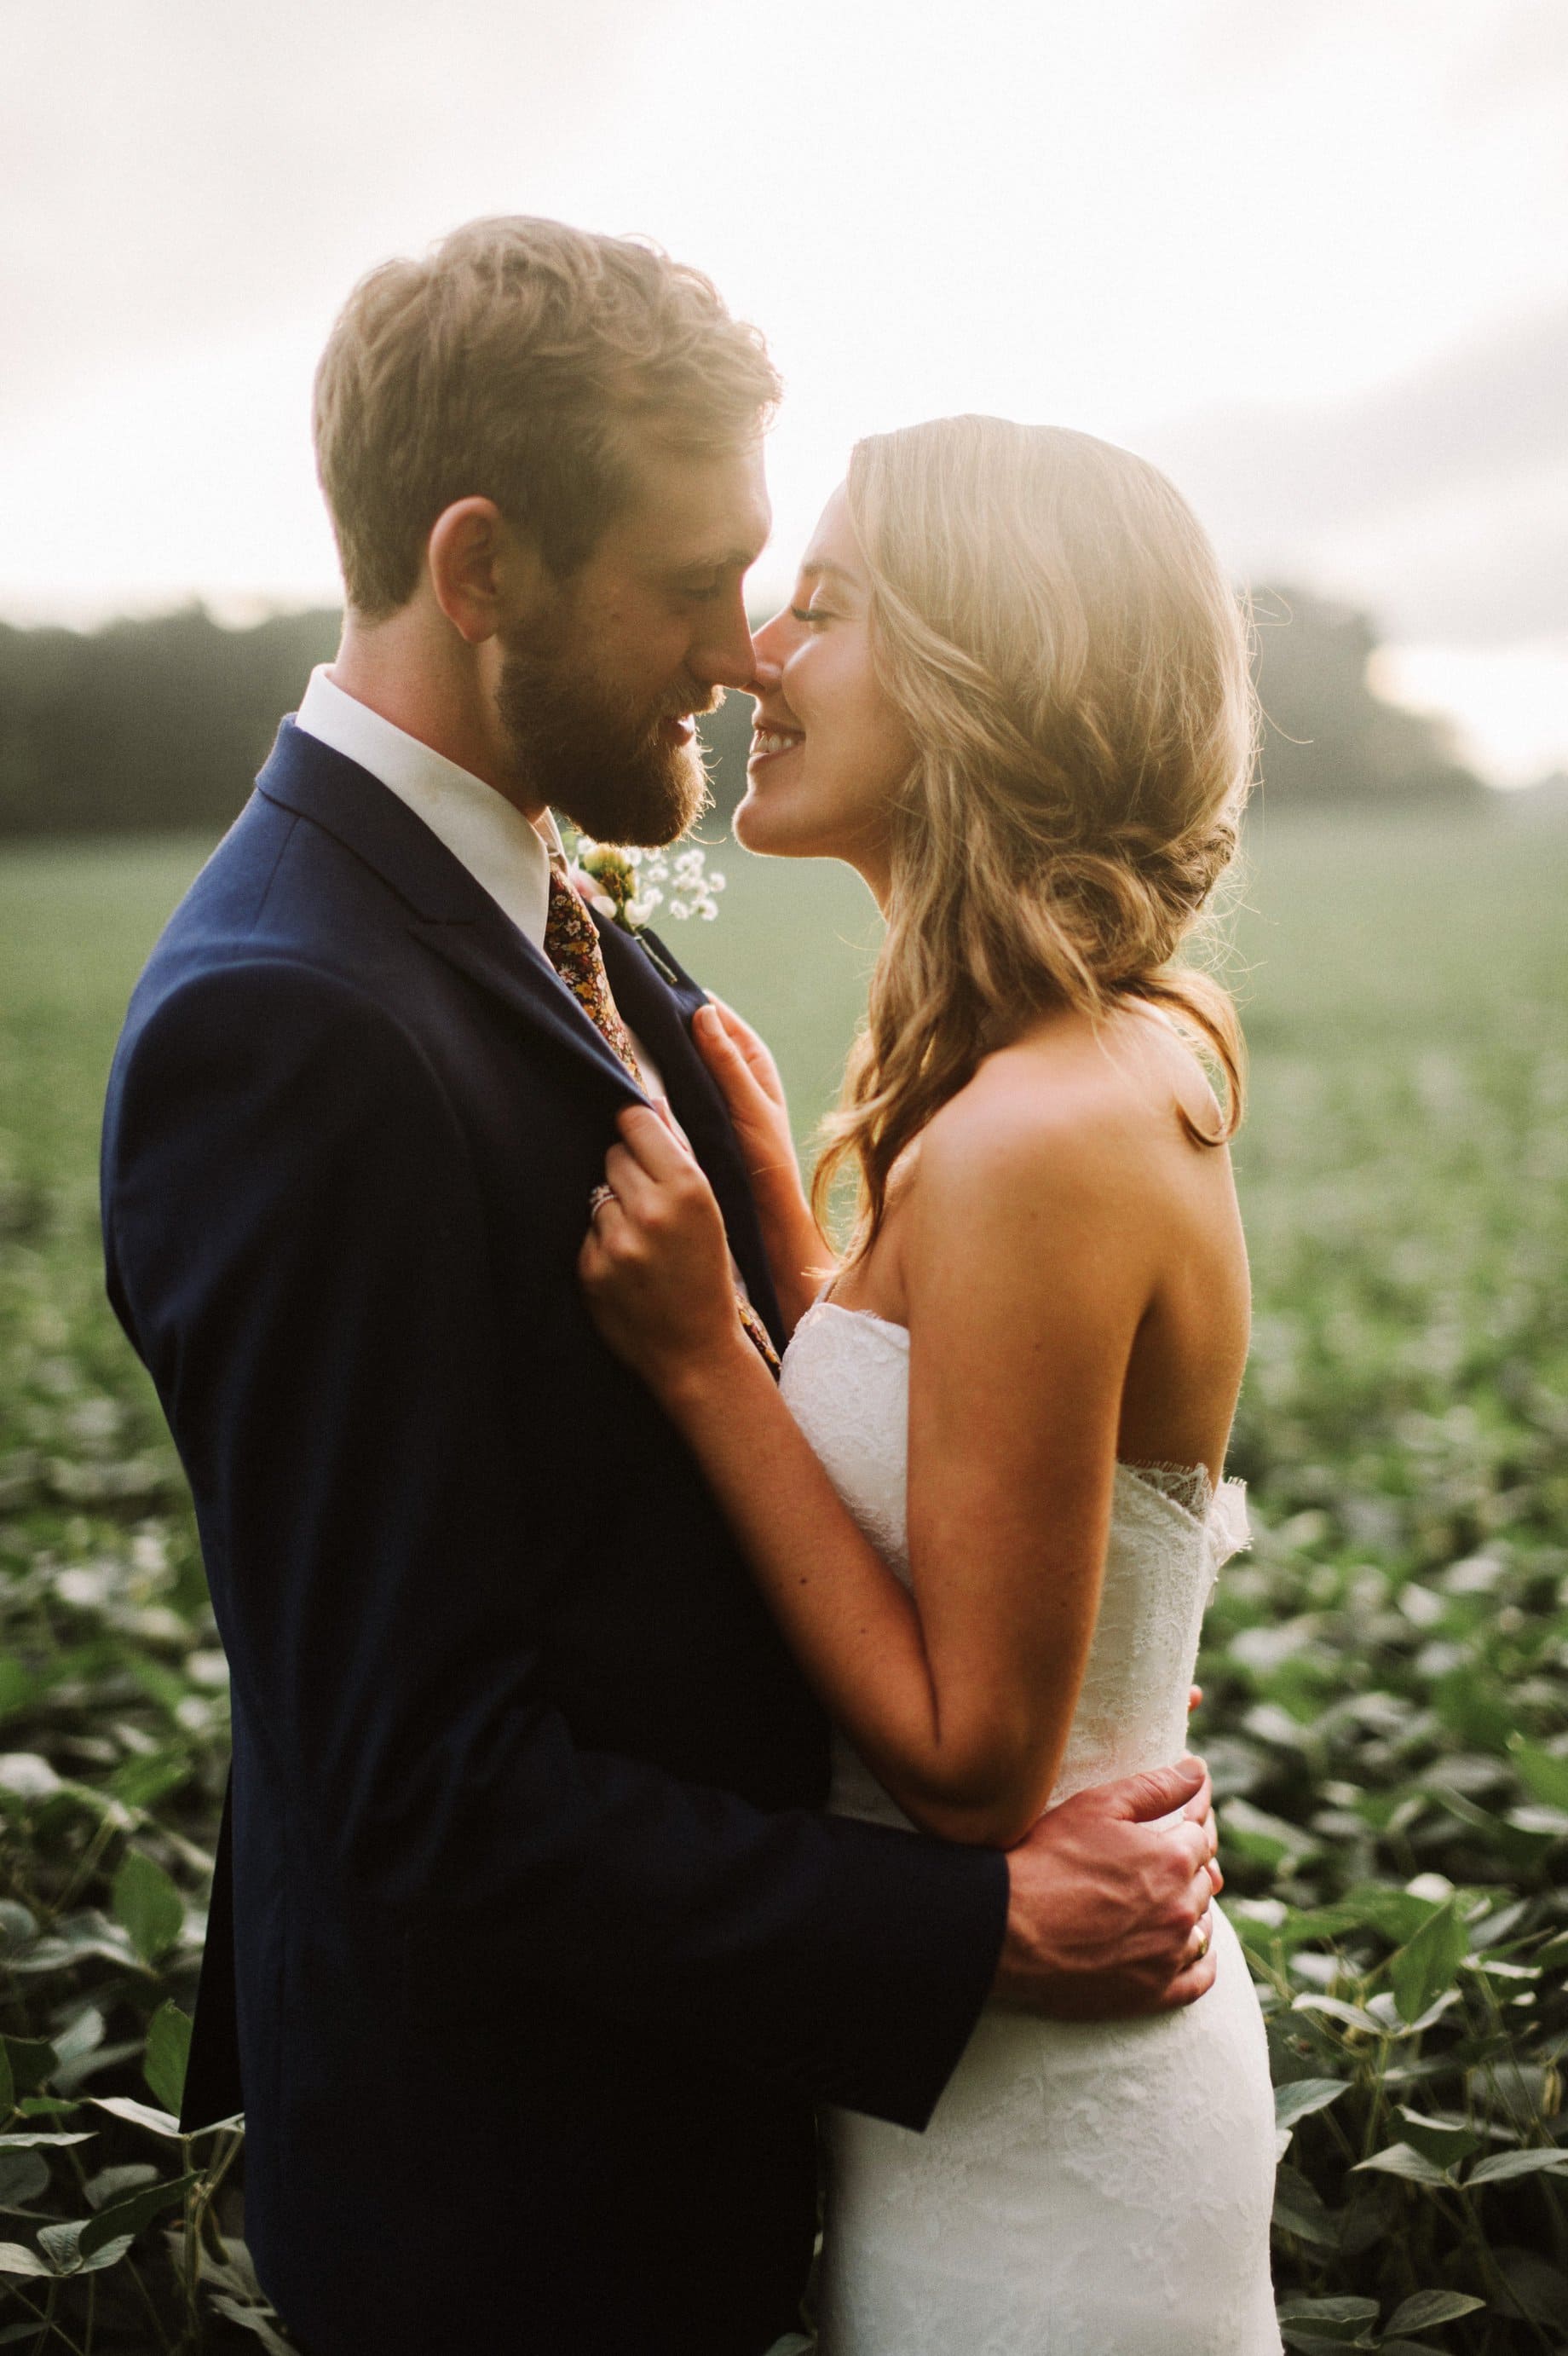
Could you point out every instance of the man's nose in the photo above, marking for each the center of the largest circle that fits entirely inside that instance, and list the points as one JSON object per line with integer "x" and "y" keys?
{"x": 726, "y": 657}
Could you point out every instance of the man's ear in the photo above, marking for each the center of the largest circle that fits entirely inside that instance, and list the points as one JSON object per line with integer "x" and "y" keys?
{"x": 480, "y": 571}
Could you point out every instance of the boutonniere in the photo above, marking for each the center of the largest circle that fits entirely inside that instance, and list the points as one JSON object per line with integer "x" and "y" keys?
{"x": 629, "y": 883}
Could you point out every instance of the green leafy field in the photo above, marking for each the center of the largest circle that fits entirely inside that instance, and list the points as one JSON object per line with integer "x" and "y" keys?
{"x": 1386, "y": 1674}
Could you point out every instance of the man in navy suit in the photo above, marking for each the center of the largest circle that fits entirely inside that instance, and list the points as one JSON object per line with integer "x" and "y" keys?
{"x": 531, "y": 1951}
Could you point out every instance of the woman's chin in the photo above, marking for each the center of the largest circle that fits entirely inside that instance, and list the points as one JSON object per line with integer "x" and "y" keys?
{"x": 764, "y": 831}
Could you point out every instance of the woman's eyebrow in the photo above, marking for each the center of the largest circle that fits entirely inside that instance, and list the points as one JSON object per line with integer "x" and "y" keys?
{"x": 822, "y": 568}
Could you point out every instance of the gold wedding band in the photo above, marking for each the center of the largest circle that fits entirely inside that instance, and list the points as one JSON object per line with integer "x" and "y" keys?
{"x": 597, "y": 1200}
{"x": 1202, "y": 1943}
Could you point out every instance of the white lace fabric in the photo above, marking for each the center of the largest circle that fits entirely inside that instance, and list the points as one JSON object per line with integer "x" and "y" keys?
{"x": 1082, "y": 2190}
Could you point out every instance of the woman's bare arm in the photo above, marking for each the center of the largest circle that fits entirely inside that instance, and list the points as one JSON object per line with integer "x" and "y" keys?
{"x": 1025, "y": 1271}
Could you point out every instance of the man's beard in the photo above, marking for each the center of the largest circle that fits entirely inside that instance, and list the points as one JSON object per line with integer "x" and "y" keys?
{"x": 581, "y": 747}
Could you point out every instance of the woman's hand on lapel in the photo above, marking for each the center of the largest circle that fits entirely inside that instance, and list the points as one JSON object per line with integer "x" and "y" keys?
{"x": 654, "y": 1264}
{"x": 740, "y": 1061}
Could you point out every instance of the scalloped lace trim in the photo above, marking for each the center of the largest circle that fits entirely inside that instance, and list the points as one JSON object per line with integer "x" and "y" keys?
{"x": 1187, "y": 1486}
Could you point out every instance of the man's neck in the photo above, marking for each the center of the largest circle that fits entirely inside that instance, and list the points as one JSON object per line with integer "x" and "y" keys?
{"x": 430, "y": 688}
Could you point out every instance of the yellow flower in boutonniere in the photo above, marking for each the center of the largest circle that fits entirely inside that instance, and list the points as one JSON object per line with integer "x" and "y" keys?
{"x": 629, "y": 883}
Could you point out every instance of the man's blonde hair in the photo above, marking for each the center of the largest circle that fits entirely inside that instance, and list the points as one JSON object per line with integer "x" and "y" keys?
{"x": 512, "y": 365}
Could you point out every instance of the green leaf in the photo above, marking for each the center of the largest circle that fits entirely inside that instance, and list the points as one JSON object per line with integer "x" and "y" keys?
{"x": 30, "y": 2142}
{"x": 1302, "y": 2096}
{"x": 7, "y": 2084}
{"x": 1479, "y": 1712}
{"x": 1543, "y": 1774}
{"x": 17, "y": 1686}
{"x": 15, "y": 2260}
{"x": 1299, "y": 2210}
{"x": 1386, "y": 2013}
{"x": 23, "y": 2176}
{"x": 1403, "y": 2159}
{"x": 1442, "y": 2142}
{"x": 32, "y": 2061}
{"x": 147, "y": 1902}
{"x": 1504, "y": 2164}
{"x": 109, "y": 2255}
{"x": 1541, "y": 2290}
{"x": 1540, "y": 1822}
{"x": 1428, "y": 1966}
{"x": 128, "y": 2217}
{"x": 1428, "y": 2308}
{"x": 1373, "y": 1906}
{"x": 1261, "y": 1839}
{"x": 84, "y": 2036}
{"x": 261, "y": 2320}
{"x": 114, "y": 2183}
{"x": 16, "y": 1924}
{"x": 1354, "y": 2016}
{"x": 1327, "y": 2310}
{"x": 58, "y": 2244}
{"x": 142, "y": 1782}
{"x": 62, "y": 2245}
{"x": 168, "y": 2049}
{"x": 138, "y": 2115}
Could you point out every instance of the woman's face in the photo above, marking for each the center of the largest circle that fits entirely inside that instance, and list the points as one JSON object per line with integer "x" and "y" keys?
{"x": 829, "y": 751}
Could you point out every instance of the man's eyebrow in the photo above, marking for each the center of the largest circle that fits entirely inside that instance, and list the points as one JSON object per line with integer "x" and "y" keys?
{"x": 732, "y": 560}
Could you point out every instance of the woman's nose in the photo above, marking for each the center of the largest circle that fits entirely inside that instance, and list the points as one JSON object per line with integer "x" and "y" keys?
{"x": 770, "y": 646}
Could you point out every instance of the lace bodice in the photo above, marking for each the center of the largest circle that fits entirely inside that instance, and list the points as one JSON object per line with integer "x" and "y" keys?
{"x": 845, "y": 1380}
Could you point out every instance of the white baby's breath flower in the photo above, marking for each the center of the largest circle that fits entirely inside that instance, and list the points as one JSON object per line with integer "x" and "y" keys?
{"x": 630, "y": 881}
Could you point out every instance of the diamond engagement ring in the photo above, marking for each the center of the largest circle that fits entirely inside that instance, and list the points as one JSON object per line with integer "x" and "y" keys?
{"x": 597, "y": 1200}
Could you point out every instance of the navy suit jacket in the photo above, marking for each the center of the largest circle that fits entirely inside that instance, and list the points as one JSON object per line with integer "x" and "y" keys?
{"x": 531, "y": 1951}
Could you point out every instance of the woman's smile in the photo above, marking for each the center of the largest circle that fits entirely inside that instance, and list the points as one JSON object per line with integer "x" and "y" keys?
{"x": 770, "y": 739}
{"x": 822, "y": 709}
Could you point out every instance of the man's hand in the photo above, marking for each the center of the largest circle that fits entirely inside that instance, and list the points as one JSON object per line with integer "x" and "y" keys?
{"x": 1109, "y": 1914}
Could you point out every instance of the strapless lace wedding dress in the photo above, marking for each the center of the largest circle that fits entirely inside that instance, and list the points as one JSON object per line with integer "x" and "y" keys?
{"x": 1082, "y": 2189}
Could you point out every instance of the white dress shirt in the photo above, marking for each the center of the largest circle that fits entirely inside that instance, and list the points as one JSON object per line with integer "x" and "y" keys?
{"x": 506, "y": 855}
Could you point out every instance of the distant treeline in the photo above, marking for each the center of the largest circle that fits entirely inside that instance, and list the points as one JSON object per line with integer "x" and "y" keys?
{"x": 161, "y": 725}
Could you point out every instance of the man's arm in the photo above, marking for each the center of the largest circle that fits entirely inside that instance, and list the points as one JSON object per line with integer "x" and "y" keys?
{"x": 297, "y": 1249}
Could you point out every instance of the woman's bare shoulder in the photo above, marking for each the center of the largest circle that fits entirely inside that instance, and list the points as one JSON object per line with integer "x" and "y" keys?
{"x": 1038, "y": 1126}
{"x": 1069, "y": 1089}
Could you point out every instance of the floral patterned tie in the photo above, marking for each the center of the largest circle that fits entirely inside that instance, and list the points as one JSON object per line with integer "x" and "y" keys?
{"x": 571, "y": 945}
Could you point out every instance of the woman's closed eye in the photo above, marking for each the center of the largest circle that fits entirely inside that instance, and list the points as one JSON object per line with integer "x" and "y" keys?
{"x": 812, "y": 614}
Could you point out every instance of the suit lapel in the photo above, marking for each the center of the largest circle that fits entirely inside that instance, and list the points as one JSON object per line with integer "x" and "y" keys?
{"x": 458, "y": 920}
{"x": 523, "y": 979}
{"x": 660, "y": 1013}
{"x": 445, "y": 909}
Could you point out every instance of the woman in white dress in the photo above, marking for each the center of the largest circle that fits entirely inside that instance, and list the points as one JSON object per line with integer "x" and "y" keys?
{"x": 987, "y": 1509}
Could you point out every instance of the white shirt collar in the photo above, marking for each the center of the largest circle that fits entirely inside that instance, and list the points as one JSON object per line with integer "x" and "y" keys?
{"x": 506, "y": 855}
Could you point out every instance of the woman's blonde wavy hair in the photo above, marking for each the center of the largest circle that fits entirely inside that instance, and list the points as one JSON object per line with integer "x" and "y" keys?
{"x": 1058, "y": 637}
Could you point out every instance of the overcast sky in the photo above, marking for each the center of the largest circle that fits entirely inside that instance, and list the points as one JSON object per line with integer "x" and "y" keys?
{"x": 1313, "y": 259}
